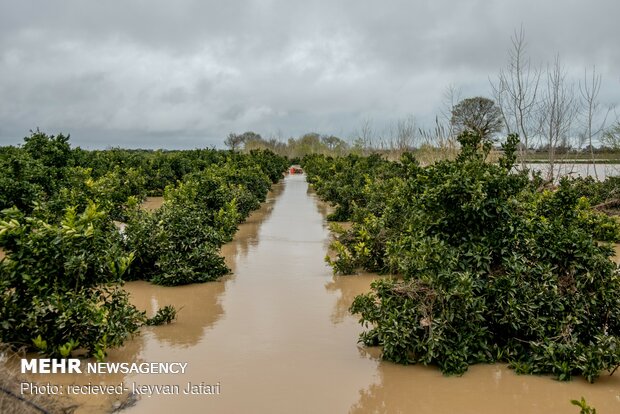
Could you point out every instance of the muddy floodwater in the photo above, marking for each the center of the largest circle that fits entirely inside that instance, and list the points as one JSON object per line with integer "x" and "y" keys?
{"x": 152, "y": 203}
{"x": 276, "y": 337}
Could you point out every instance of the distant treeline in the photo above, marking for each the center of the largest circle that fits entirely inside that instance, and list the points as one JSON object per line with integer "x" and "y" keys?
{"x": 44, "y": 164}
{"x": 425, "y": 149}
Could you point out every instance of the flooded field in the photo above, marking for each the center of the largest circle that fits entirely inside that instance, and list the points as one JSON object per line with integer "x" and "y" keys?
{"x": 276, "y": 337}
{"x": 600, "y": 171}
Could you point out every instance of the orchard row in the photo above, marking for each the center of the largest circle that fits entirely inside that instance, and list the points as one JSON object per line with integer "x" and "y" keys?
{"x": 489, "y": 264}
{"x": 60, "y": 282}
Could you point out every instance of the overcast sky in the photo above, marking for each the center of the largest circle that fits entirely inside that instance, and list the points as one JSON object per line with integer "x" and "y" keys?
{"x": 183, "y": 74}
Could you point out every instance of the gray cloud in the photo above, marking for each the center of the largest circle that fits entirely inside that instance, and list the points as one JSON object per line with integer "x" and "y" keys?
{"x": 183, "y": 74}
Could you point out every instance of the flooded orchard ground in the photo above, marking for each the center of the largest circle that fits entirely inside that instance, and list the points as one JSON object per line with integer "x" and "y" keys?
{"x": 600, "y": 171}
{"x": 278, "y": 338}
{"x": 152, "y": 203}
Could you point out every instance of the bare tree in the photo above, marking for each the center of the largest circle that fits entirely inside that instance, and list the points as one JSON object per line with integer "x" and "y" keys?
{"x": 589, "y": 89}
{"x": 405, "y": 135}
{"x": 556, "y": 112}
{"x": 451, "y": 96}
{"x": 233, "y": 141}
{"x": 516, "y": 93}
{"x": 364, "y": 140}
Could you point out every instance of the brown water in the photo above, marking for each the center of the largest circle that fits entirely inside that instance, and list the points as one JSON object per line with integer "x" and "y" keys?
{"x": 152, "y": 203}
{"x": 278, "y": 338}
{"x": 149, "y": 204}
{"x": 616, "y": 257}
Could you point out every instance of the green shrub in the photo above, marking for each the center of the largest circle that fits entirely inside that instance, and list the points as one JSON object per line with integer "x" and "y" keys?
{"x": 492, "y": 268}
{"x": 342, "y": 181}
{"x": 164, "y": 315}
{"x": 59, "y": 284}
{"x": 177, "y": 244}
{"x": 585, "y": 408}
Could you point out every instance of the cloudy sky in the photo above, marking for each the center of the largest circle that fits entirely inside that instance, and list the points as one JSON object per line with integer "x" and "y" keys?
{"x": 185, "y": 73}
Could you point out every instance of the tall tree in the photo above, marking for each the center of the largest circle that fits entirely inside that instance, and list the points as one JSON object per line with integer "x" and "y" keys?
{"x": 479, "y": 114}
{"x": 516, "y": 92}
{"x": 234, "y": 141}
{"x": 558, "y": 108}
{"x": 593, "y": 122}
{"x": 334, "y": 144}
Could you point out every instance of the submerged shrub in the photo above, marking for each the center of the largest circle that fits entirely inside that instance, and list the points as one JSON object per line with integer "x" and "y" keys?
{"x": 179, "y": 243}
{"x": 342, "y": 181}
{"x": 59, "y": 284}
{"x": 583, "y": 405}
{"x": 176, "y": 245}
{"x": 492, "y": 268}
{"x": 65, "y": 259}
{"x": 164, "y": 315}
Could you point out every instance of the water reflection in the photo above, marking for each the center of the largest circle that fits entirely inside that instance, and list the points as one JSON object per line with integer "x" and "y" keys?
{"x": 200, "y": 308}
{"x": 347, "y": 288}
{"x": 323, "y": 207}
{"x": 483, "y": 388}
{"x": 278, "y": 337}
{"x": 200, "y": 305}
{"x": 248, "y": 233}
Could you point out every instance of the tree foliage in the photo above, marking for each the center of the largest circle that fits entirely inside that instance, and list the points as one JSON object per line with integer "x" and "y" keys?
{"x": 611, "y": 136}
{"x": 479, "y": 115}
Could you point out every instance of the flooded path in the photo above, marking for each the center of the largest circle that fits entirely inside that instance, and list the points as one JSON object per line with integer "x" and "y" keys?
{"x": 277, "y": 337}
{"x": 276, "y": 334}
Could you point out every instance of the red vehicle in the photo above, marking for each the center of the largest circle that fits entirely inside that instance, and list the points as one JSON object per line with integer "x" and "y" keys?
{"x": 295, "y": 169}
